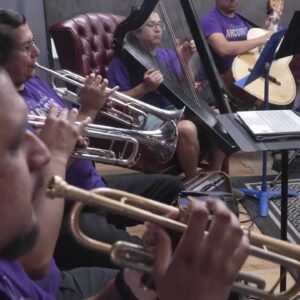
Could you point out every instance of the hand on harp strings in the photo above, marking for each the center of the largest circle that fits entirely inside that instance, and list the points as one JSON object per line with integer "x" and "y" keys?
{"x": 186, "y": 50}
{"x": 195, "y": 244}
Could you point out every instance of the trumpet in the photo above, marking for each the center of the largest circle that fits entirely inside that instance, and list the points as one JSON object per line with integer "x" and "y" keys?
{"x": 125, "y": 109}
{"x": 130, "y": 255}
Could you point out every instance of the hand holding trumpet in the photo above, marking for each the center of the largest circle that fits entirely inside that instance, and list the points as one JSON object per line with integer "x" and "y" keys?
{"x": 61, "y": 126}
{"x": 202, "y": 266}
{"x": 93, "y": 95}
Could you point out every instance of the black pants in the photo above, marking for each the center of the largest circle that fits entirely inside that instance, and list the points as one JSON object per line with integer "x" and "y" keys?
{"x": 83, "y": 283}
{"x": 111, "y": 228}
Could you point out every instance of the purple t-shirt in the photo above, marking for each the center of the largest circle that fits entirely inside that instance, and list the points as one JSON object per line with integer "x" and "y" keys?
{"x": 234, "y": 29}
{"x": 15, "y": 284}
{"x": 39, "y": 97}
{"x": 118, "y": 74}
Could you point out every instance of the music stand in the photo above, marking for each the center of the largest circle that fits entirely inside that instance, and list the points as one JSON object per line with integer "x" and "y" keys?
{"x": 290, "y": 44}
{"x": 262, "y": 68}
{"x": 290, "y": 47}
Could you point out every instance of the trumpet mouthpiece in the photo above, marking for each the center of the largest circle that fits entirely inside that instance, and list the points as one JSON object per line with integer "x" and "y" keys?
{"x": 55, "y": 186}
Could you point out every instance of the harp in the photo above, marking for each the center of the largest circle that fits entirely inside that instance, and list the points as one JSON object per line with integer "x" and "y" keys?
{"x": 179, "y": 79}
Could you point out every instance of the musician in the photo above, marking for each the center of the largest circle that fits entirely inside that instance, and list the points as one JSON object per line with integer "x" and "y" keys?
{"x": 226, "y": 33}
{"x": 148, "y": 38}
{"x": 39, "y": 97}
{"x": 27, "y": 221}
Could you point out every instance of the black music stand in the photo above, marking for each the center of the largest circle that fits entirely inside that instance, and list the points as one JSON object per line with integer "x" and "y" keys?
{"x": 290, "y": 44}
{"x": 262, "y": 69}
{"x": 247, "y": 143}
{"x": 290, "y": 47}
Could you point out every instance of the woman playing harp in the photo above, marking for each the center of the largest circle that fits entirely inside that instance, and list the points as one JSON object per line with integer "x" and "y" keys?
{"x": 147, "y": 39}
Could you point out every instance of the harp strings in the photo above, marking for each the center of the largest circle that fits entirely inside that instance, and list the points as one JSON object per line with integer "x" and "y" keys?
{"x": 187, "y": 79}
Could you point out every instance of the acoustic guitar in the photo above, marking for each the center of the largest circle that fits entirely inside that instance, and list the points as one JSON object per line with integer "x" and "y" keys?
{"x": 282, "y": 87}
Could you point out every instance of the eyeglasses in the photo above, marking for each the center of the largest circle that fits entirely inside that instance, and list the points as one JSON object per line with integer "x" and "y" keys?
{"x": 27, "y": 46}
{"x": 153, "y": 24}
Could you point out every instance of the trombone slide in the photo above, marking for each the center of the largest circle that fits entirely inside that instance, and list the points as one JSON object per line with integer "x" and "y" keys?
{"x": 108, "y": 156}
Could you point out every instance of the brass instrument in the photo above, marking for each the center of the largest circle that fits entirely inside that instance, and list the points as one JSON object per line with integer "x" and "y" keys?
{"x": 162, "y": 141}
{"x": 143, "y": 209}
{"x": 127, "y": 157}
{"x": 125, "y": 109}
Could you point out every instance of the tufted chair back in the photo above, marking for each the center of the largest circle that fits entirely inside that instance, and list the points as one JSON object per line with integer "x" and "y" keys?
{"x": 83, "y": 43}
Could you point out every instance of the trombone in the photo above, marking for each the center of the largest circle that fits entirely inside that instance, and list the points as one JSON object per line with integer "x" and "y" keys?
{"x": 125, "y": 109}
{"x": 134, "y": 256}
{"x": 127, "y": 157}
{"x": 162, "y": 141}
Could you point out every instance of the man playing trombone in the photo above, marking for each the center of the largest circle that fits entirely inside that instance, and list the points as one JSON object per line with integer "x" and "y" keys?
{"x": 39, "y": 97}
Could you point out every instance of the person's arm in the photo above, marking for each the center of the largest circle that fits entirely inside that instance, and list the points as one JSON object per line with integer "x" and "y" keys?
{"x": 222, "y": 47}
{"x": 151, "y": 81}
{"x": 60, "y": 135}
{"x": 118, "y": 75}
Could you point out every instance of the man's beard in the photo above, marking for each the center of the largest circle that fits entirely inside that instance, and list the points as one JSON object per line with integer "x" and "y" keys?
{"x": 25, "y": 240}
{"x": 20, "y": 245}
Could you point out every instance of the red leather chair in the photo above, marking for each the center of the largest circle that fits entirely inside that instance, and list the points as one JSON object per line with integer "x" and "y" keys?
{"x": 83, "y": 42}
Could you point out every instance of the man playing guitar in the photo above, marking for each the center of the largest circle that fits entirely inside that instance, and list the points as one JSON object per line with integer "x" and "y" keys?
{"x": 236, "y": 47}
{"x": 226, "y": 33}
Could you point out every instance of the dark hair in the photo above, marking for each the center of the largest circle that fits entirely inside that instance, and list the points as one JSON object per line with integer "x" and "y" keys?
{"x": 12, "y": 18}
{"x": 7, "y": 43}
{"x": 9, "y": 20}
